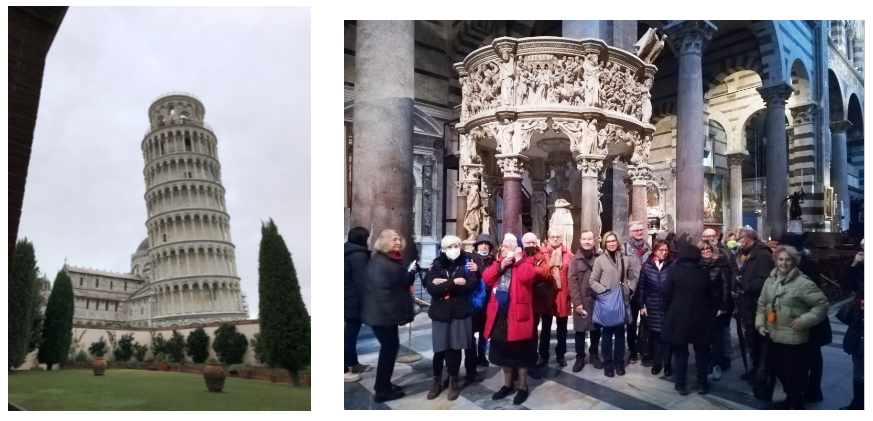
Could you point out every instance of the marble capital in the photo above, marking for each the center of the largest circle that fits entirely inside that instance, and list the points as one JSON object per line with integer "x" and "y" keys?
{"x": 461, "y": 188}
{"x": 736, "y": 158}
{"x": 640, "y": 174}
{"x": 471, "y": 172}
{"x": 804, "y": 114}
{"x": 840, "y": 126}
{"x": 512, "y": 165}
{"x": 589, "y": 165}
{"x": 776, "y": 95}
{"x": 690, "y": 36}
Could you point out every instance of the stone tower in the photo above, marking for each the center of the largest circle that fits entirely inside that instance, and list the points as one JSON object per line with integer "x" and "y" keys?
{"x": 193, "y": 276}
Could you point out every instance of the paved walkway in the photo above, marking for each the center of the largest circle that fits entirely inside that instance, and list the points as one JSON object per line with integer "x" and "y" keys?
{"x": 588, "y": 389}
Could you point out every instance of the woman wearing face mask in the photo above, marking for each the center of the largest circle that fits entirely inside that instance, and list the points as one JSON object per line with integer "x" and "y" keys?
{"x": 484, "y": 250}
{"x": 789, "y": 305}
{"x": 652, "y": 277}
{"x": 449, "y": 283}
{"x": 611, "y": 271}
{"x": 510, "y": 317}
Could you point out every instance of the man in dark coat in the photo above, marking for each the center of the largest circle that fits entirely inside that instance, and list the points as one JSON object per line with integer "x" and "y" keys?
{"x": 582, "y": 299}
{"x": 852, "y": 280}
{"x": 356, "y": 257}
{"x": 725, "y": 259}
{"x": 757, "y": 263}
{"x": 688, "y": 321}
{"x": 638, "y": 247}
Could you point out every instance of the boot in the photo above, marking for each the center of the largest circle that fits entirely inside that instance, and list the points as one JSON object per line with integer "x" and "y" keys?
{"x": 454, "y": 391}
{"x": 562, "y": 362}
{"x": 656, "y": 369}
{"x": 579, "y": 364}
{"x": 595, "y": 360}
{"x": 668, "y": 369}
{"x": 608, "y": 370}
{"x": 436, "y": 388}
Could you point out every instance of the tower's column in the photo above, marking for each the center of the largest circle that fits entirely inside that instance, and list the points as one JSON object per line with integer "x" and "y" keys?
{"x": 840, "y": 168}
{"x": 182, "y": 299}
{"x": 589, "y": 167}
{"x": 735, "y": 161}
{"x": 513, "y": 168}
{"x": 777, "y": 159}
{"x": 837, "y": 30}
{"x": 690, "y": 38}
{"x": 172, "y": 301}
{"x": 202, "y": 300}
{"x": 461, "y": 209}
{"x": 858, "y": 55}
{"x": 384, "y": 89}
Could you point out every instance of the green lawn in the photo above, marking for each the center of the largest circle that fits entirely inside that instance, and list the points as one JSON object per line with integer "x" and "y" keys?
{"x": 139, "y": 390}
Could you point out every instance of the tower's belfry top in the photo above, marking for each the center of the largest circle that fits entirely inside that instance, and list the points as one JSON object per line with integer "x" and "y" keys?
{"x": 176, "y": 108}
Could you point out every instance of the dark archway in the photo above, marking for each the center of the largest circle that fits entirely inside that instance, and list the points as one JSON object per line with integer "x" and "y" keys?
{"x": 855, "y": 154}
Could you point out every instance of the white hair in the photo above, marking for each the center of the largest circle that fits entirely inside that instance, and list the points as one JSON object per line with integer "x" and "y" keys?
{"x": 633, "y": 224}
{"x": 510, "y": 237}
{"x": 448, "y": 241}
{"x": 529, "y": 237}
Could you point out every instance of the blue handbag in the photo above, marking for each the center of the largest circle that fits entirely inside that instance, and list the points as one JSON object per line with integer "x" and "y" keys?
{"x": 609, "y": 309}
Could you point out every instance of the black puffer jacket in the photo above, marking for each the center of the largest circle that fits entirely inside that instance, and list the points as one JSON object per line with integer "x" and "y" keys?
{"x": 651, "y": 296}
{"x": 450, "y": 301}
{"x": 754, "y": 271}
{"x": 356, "y": 259}
{"x": 385, "y": 298}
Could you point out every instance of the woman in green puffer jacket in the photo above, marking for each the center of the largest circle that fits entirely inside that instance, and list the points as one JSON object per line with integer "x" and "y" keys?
{"x": 789, "y": 305}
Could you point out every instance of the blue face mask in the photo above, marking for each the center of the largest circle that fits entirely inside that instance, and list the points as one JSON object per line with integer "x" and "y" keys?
{"x": 483, "y": 253}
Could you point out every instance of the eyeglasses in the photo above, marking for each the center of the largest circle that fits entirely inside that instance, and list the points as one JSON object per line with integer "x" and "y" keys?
{"x": 638, "y": 230}
{"x": 706, "y": 250}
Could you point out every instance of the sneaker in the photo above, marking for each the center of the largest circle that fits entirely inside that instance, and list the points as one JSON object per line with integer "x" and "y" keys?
{"x": 520, "y": 397}
{"x": 503, "y": 392}
{"x": 388, "y": 396}
{"x": 579, "y": 365}
{"x": 716, "y": 373}
{"x": 360, "y": 368}
{"x": 352, "y": 377}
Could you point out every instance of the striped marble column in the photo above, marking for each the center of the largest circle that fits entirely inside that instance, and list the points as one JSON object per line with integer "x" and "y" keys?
{"x": 801, "y": 162}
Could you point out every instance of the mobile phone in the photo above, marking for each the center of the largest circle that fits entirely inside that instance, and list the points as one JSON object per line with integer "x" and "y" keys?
{"x": 409, "y": 269}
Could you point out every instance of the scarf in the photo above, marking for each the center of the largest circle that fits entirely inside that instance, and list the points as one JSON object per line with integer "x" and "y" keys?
{"x": 501, "y": 293}
{"x": 640, "y": 244}
{"x": 395, "y": 254}
{"x": 556, "y": 264}
{"x": 587, "y": 254}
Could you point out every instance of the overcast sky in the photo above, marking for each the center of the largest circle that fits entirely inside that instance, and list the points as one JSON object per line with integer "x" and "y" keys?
{"x": 251, "y": 69}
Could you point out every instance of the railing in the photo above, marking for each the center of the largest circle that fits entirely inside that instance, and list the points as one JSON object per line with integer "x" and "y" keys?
{"x": 176, "y": 93}
{"x": 183, "y": 122}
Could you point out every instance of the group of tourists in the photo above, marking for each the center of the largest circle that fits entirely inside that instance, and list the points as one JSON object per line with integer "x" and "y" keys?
{"x": 657, "y": 300}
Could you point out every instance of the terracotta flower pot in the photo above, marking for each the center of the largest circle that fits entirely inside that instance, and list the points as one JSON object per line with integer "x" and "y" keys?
{"x": 153, "y": 368}
{"x": 164, "y": 366}
{"x": 99, "y": 366}
{"x": 243, "y": 374}
{"x": 274, "y": 379}
{"x": 307, "y": 380}
{"x": 202, "y": 369}
{"x": 214, "y": 376}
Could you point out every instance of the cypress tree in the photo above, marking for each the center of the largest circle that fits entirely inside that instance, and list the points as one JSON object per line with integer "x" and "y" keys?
{"x": 23, "y": 292}
{"x": 57, "y": 332}
{"x": 284, "y": 321}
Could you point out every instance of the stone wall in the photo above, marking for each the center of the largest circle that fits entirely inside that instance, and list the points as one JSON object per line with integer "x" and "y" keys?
{"x": 143, "y": 336}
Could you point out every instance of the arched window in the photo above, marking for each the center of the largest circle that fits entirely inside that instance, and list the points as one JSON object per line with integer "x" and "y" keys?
{"x": 97, "y": 283}
{"x": 81, "y": 281}
{"x": 107, "y": 306}
{"x": 110, "y": 284}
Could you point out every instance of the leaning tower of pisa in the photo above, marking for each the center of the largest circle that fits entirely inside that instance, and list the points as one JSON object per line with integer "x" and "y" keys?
{"x": 193, "y": 275}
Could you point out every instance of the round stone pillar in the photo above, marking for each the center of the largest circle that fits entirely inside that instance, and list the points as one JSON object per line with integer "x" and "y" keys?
{"x": 589, "y": 167}
{"x": 382, "y": 183}
{"x": 690, "y": 38}
{"x": 460, "y": 209}
{"x": 639, "y": 176}
{"x": 840, "y": 168}
{"x": 776, "y": 160}
{"x": 735, "y": 162}
{"x": 513, "y": 167}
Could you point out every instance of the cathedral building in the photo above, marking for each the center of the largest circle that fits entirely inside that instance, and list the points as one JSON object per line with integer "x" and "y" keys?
{"x": 184, "y": 272}
{"x": 468, "y": 127}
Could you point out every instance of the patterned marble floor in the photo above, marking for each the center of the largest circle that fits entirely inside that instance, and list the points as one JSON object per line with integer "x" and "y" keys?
{"x": 588, "y": 389}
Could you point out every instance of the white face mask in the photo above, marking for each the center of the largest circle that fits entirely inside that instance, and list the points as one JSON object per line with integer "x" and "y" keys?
{"x": 453, "y": 254}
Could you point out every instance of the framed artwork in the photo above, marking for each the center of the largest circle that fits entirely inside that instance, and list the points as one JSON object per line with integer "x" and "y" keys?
{"x": 713, "y": 199}
{"x": 829, "y": 202}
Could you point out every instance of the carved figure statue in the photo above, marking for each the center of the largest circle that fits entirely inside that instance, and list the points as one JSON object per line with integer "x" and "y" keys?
{"x": 589, "y": 143}
{"x": 656, "y": 49}
{"x": 562, "y": 221}
{"x": 592, "y": 81}
{"x": 473, "y": 217}
{"x": 538, "y": 211}
{"x": 646, "y": 98}
{"x": 489, "y": 223}
{"x": 647, "y": 148}
{"x": 795, "y": 200}
{"x": 507, "y": 77}
{"x": 469, "y": 155}
{"x": 523, "y": 86}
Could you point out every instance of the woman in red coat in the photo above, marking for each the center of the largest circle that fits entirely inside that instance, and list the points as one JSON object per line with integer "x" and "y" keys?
{"x": 510, "y": 316}
{"x": 558, "y": 261}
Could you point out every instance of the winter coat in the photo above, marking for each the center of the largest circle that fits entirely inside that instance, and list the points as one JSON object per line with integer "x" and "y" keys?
{"x": 852, "y": 280}
{"x": 608, "y": 275}
{"x": 520, "y": 320}
{"x": 580, "y": 292}
{"x": 732, "y": 264}
{"x": 356, "y": 258}
{"x": 650, "y": 290}
{"x": 385, "y": 298}
{"x": 543, "y": 287}
{"x": 720, "y": 277}
{"x": 631, "y": 251}
{"x": 561, "y": 305}
{"x": 450, "y": 301}
{"x": 754, "y": 271}
{"x": 801, "y": 300}
{"x": 688, "y": 296}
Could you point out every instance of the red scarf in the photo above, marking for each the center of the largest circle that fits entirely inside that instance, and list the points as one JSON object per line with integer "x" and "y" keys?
{"x": 395, "y": 255}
